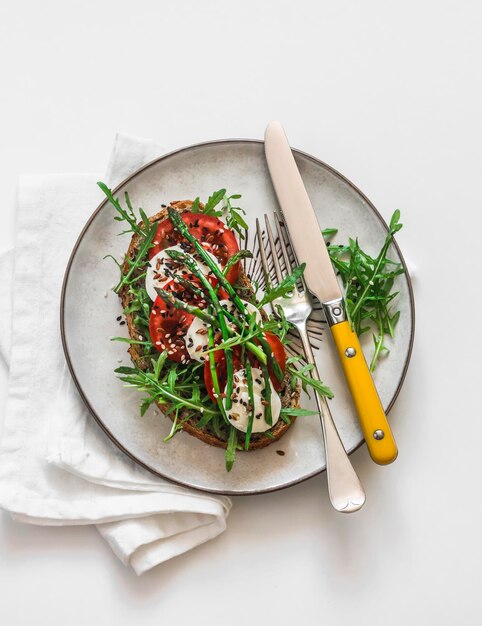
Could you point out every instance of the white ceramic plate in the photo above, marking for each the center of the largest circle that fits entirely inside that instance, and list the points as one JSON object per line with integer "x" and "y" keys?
{"x": 90, "y": 309}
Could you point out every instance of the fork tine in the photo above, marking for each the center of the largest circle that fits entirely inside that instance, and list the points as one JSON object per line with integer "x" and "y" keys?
{"x": 262, "y": 254}
{"x": 277, "y": 267}
{"x": 282, "y": 242}
{"x": 284, "y": 249}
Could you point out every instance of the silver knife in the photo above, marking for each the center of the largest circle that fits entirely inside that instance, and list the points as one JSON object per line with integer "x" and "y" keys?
{"x": 310, "y": 248}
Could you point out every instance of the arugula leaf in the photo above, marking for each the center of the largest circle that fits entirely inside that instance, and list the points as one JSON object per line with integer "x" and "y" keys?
{"x": 139, "y": 342}
{"x": 145, "y": 219}
{"x": 285, "y": 287}
{"x": 283, "y": 326}
{"x": 296, "y": 412}
{"x": 368, "y": 285}
{"x": 302, "y": 374}
{"x": 213, "y": 202}
{"x": 159, "y": 364}
{"x": 174, "y": 385}
{"x": 145, "y": 404}
{"x": 176, "y": 427}
{"x": 140, "y": 257}
{"x": 235, "y": 219}
{"x": 128, "y": 215}
{"x": 126, "y": 370}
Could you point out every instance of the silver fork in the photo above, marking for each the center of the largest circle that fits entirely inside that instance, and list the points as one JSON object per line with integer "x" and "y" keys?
{"x": 344, "y": 488}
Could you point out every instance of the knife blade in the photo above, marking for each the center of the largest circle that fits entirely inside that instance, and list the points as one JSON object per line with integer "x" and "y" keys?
{"x": 320, "y": 278}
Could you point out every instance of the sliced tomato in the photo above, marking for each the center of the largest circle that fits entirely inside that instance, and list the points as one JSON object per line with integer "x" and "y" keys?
{"x": 168, "y": 325}
{"x": 220, "y": 363}
{"x": 279, "y": 354}
{"x": 210, "y": 231}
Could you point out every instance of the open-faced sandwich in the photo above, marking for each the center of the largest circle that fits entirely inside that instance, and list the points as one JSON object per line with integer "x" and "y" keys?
{"x": 203, "y": 346}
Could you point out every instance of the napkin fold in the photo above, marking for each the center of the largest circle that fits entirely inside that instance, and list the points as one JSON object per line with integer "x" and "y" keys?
{"x": 56, "y": 466}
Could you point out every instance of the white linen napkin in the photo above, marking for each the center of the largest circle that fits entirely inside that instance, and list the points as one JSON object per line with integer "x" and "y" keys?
{"x": 56, "y": 465}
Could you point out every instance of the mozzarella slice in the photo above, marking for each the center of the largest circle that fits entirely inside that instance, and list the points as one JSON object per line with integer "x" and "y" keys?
{"x": 230, "y": 306}
{"x": 238, "y": 414}
{"x": 196, "y": 339}
{"x": 196, "y": 335}
{"x": 156, "y": 275}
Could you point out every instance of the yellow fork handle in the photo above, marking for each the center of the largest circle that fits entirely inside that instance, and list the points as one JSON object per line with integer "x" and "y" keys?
{"x": 377, "y": 433}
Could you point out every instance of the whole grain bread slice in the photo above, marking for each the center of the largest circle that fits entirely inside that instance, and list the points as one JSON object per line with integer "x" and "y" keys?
{"x": 289, "y": 397}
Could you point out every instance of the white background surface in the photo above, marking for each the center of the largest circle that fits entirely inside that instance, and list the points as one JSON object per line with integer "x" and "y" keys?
{"x": 390, "y": 94}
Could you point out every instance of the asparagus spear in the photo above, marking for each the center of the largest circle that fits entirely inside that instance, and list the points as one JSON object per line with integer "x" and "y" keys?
{"x": 191, "y": 264}
{"x": 183, "y": 229}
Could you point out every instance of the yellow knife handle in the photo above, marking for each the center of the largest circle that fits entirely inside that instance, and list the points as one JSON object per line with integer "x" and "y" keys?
{"x": 377, "y": 433}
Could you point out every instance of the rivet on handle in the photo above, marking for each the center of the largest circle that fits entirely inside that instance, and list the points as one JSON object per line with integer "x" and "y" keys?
{"x": 350, "y": 352}
{"x": 378, "y": 434}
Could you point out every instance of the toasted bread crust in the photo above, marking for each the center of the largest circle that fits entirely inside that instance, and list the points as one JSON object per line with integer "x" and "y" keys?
{"x": 288, "y": 397}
